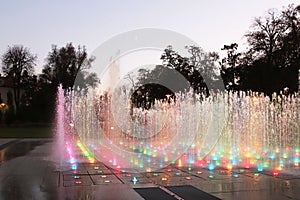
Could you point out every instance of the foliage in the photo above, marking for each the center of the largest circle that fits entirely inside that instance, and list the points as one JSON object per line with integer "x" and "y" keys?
{"x": 64, "y": 64}
{"x": 18, "y": 64}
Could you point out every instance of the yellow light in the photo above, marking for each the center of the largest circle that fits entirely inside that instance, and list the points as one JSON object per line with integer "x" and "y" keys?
{"x": 166, "y": 159}
{"x": 229, "y": 167}
{"x": 179, "y": 163}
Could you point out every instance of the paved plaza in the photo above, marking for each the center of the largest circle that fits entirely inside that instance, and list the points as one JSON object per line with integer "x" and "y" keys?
{"x": 28, "y": 171}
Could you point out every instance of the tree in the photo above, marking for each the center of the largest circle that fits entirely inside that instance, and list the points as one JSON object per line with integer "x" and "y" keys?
{"x": 186, "y": 67}
{"x": 266, "y": 35}
{"x": 63, "y": 66}
{"x": 206, "y": 64}
{"x": 18, "y": 63}
{"x": 229, "y": 69}
{"x": 67, "y": 63}
{"x": 274, "y": 47}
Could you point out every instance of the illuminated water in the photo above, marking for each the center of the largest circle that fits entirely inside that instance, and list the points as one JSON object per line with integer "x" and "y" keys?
{"x": 225, "y": 130}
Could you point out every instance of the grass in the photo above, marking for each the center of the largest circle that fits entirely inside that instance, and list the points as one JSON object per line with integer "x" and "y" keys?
{"x": 26, "y": 132}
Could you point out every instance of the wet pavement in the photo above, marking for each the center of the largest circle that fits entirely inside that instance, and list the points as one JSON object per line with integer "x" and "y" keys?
{"x": 28, "y": 171}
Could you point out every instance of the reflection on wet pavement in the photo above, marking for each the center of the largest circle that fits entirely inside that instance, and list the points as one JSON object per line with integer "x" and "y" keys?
{"x": 17, "y": 148}
{"x": 28, "y": 172}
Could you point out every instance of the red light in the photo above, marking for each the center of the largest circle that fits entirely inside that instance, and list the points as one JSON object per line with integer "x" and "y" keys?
{"x": 275, "y": 173}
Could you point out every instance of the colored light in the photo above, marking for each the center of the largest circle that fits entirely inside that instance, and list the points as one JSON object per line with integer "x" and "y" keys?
{"x": 211, "y": 176}
{"x": 179, "y": 163}
{"x": 188, "y": 178}
{"x": 134, "y": 180}
{"x": 260, "y": 168}
{"x": 229, "y": 167}
{"x": 211, "y": 167}
{"x": 74, "y": 167}
{"x": 164, "y": 179}
{"x": 275, "y": 173}
{"x": 272, "y": 156}
{"x": 214, "y": 158}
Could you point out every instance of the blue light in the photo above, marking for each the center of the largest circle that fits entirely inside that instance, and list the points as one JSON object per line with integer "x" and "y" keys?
{"x": 192, "y": 160}
{"x": 134, "y": 180}
{"x": 74, "y": 167}
{"x": 272, "y": 156}
{"x": 211, "y": 167}
{"x": 72, "y": 161}
{"x": 260, "y": 168}
{"x": 234, "y": 162}
{"x": 214, "y": 158}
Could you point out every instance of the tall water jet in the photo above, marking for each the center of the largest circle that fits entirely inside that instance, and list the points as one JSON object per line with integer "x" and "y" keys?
{"x": 59, "y": 149}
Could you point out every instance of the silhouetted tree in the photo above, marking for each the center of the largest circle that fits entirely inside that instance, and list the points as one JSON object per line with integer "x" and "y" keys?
{"x": 185, "y": 67}
{"x": 18, "y": 63}
{"x": 207, "y": 65}
{"x": 272, "y": 61}
{"x": 274, "y": 46}
{"x": 229, "y": 69}
{"x": 65, "y": 64}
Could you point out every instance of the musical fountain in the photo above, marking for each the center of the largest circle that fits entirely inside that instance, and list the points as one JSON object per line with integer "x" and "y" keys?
{"x": 225, "y": 130}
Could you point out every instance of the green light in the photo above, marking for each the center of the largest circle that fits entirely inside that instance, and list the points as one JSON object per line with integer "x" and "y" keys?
{"x": 266, "y": 165}
{"x": 211, "y": 176}
{"x": 189, "y": 168}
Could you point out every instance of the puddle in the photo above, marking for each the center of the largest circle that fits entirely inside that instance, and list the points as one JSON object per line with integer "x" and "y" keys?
{"x": 17, "y": 148}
